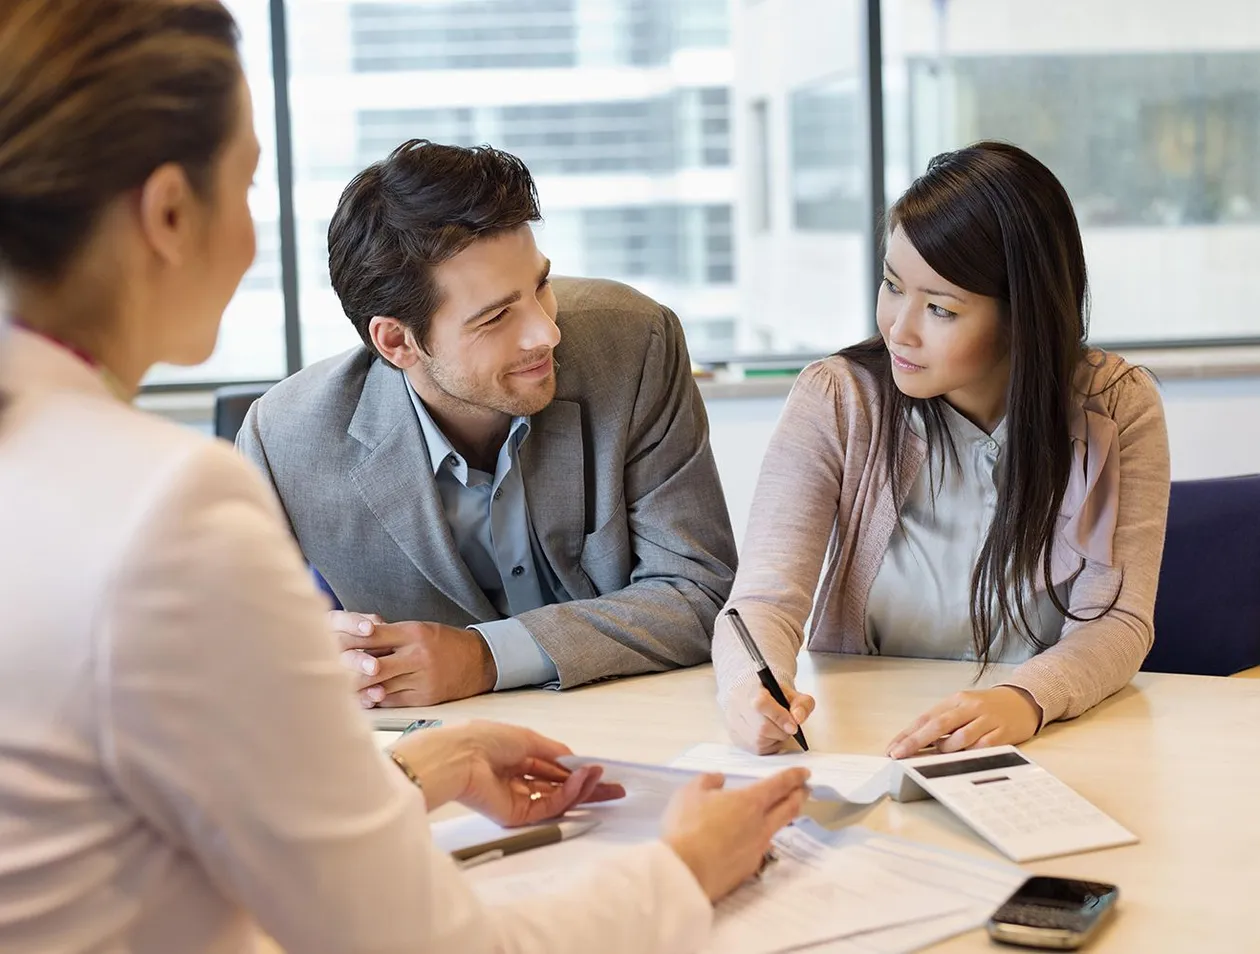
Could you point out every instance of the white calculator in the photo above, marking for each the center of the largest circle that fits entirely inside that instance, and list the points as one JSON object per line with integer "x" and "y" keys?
{"x": 1011, "y": 801}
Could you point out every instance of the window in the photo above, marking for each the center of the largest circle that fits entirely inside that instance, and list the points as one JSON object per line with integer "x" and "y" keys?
{"x": 1154, "y": 132}
{"x": 251, "y": 342}
{"x": 485, "y": 34}
{"x": 381, "y": 130}
{"x": 620, "y": 108}
{"x": 803, "y": 286}
{"x": 827, "y": 157}
{"x": 715, "y": 155}
{"x": 760, "y": 214}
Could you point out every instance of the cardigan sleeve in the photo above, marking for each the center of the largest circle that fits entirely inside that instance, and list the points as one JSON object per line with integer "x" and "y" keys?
{"x": 1098, "y": 654}
{"x": 793, "y": 515}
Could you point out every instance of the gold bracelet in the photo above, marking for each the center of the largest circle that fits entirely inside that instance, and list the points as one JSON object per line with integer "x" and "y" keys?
{"x": 406, "y": 769}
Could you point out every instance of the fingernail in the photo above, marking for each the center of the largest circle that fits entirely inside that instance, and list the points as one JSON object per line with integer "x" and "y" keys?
{"x": 368, "y": 665}
{"x": 788, "y": 727}
{"x": 366, "y": 702}
{"x": 365, "y": 628}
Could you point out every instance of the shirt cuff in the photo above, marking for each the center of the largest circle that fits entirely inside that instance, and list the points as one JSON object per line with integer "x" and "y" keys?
{"x": 519, "y": 659}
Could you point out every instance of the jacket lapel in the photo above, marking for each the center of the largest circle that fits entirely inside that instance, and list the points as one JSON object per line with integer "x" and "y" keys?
{"x": 550, "y": 459}
{"x": 397, "y": 484}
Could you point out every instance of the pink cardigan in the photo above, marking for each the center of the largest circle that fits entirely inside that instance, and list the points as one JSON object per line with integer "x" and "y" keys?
{"x": 824, "y": 512}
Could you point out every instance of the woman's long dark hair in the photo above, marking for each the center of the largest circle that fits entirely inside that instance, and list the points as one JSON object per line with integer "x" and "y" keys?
{"x": 993, "y": 220}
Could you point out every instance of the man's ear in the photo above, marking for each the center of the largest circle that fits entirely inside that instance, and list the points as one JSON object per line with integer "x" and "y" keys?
{"x": 394, "y": 341}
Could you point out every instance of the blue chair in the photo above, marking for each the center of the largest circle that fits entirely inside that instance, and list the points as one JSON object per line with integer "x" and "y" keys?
{"x": 1207, "y": 608}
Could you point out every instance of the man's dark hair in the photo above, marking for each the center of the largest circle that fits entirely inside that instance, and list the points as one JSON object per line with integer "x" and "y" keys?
{"x": 419, "y": 207}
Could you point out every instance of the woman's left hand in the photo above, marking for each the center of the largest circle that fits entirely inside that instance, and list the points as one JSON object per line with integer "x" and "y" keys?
{"x": 1003, "y": 715}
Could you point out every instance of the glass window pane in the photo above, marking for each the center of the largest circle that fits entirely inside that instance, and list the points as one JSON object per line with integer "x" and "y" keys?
{"x": 1147, "y": 110}
{"x": 251, "y": 340}
{"x": 800, "y": 234}
{"x": 626, "y": 111}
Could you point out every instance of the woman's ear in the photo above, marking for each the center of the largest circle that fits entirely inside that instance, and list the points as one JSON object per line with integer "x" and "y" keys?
{"x": 167, "y": 213}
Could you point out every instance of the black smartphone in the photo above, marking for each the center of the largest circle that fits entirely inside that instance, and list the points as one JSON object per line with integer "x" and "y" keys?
{"x": 1056, "y": 914}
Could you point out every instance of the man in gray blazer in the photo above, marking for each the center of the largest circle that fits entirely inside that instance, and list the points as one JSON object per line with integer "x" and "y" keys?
{"x": 510, "y": 483}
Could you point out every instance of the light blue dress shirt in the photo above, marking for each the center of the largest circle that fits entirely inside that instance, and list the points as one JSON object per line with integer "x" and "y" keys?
{"x": 489, "y": 520}
{"x": 920, "y": 601}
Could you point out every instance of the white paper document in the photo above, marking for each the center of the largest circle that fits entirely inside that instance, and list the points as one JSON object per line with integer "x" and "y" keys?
{"x": 660, "y": 781}
{"x": 800, "y": 901}
{"x": 861, "y": 779}
{"x": 977, "y": 884}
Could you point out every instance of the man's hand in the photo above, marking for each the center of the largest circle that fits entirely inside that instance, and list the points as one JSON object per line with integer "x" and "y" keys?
{"x": 412, "y": 663}
{"x": 1004, "y": 715}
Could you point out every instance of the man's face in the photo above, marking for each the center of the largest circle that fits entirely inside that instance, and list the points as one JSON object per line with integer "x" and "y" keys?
{"x": 489, "y": 344}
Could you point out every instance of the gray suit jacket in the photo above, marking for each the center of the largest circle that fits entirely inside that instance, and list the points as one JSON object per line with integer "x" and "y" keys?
{"x": 622, "y": 488}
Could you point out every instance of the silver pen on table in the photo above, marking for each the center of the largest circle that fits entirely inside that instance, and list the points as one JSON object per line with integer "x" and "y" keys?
{"x": 535, "y": 837}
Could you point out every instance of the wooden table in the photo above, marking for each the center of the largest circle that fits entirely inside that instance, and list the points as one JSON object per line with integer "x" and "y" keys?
{"x": 1176, "y": 759}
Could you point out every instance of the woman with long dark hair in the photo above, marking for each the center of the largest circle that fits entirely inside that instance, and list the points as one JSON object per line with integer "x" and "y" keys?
{"x": 975, "y": 482}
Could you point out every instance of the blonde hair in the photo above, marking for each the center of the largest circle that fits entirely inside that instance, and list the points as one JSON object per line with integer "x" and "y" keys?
{"x": 94, "y": 96}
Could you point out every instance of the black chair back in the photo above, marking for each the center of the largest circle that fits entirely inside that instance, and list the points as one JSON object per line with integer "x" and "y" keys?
{"x": 1207, "y": 609}
{"x": 231, "y": 404}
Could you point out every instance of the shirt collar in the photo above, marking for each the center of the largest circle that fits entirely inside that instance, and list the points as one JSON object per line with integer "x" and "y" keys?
{"x": 440, "y": 448}
{"x": 963, "y": 431}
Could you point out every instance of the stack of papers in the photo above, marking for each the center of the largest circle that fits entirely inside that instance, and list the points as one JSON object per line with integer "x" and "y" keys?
{"x": 977, "y": 885}
{"x": 851, "y": 891}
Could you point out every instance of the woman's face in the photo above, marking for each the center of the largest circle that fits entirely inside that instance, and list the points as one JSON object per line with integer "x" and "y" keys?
{"x": 942, "y": 340}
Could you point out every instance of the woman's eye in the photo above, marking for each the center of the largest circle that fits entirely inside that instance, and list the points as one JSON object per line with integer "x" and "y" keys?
{"x": 891, "y": 287}
{"x": 942, "y": 312}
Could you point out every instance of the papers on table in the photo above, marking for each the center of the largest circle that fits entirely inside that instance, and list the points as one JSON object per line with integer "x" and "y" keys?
{"x": 980, "y": 886}
{"x": 814, "y": 894}
{"x": 861, "y": 779}
{"x": 851, "y": 891}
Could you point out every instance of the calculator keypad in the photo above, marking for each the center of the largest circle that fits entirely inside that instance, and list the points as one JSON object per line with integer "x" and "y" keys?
{"x": 1027, "y": 806}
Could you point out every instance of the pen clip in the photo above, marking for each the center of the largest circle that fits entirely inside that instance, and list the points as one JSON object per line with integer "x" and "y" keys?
{"x": 745, "y": 637}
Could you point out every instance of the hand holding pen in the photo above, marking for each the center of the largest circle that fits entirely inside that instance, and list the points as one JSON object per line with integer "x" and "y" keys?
{"x": 761, "y": 716}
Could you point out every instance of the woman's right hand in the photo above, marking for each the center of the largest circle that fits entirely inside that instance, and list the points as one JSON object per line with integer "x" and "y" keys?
{"x": 722, "y": 834}
{"x": 759, "y": 724}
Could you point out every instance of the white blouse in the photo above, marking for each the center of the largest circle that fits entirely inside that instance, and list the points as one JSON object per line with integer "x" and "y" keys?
{"x": 182, "y": 759}
{"x": 920, "y": 601}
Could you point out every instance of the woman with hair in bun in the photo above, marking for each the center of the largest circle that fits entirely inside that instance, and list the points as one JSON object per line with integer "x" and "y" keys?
{"x": 181, "y": 762}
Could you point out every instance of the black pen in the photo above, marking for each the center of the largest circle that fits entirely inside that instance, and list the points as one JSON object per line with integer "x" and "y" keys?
{"x": 763, "y": 669}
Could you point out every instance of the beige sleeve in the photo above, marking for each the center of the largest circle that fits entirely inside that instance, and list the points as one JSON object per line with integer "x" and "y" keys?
{"x": 793, "y": 514}
{"x": 1096, "y": 658}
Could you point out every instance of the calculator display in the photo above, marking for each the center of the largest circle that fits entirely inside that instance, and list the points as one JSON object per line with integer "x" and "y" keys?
{"x": 983, "y": 763}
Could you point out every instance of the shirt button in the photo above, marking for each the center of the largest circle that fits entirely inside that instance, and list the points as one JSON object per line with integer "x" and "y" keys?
{"x": 498, "y": 493}
{"x": 518, "y": 570}
{"x": 452, "y": 461}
